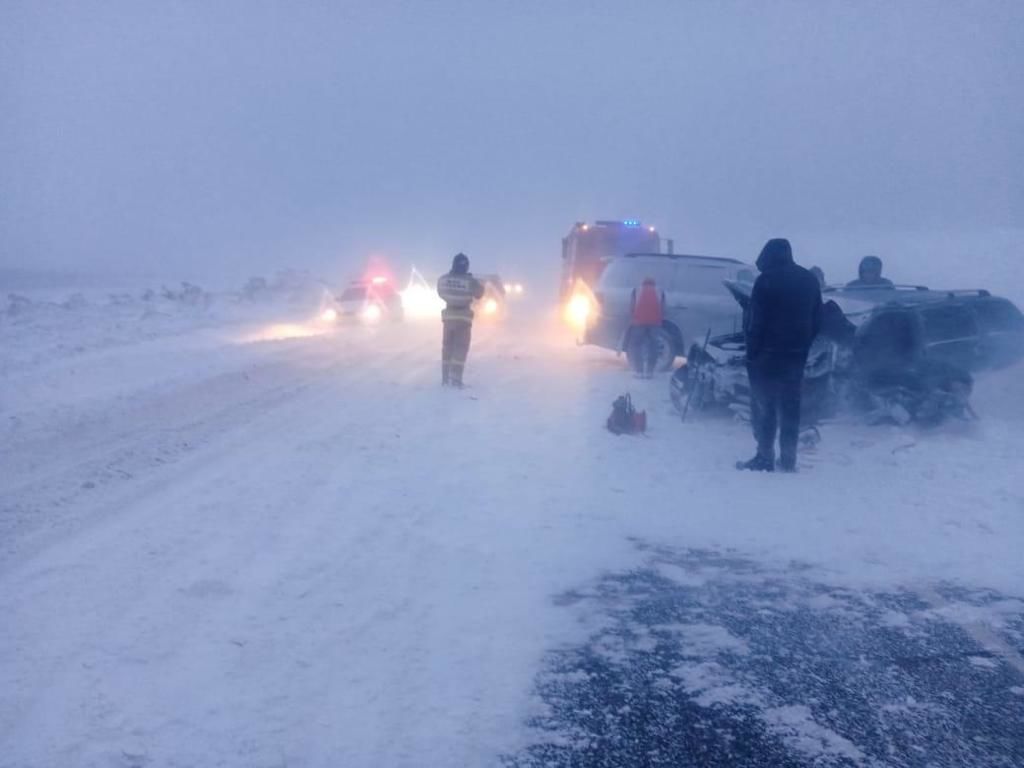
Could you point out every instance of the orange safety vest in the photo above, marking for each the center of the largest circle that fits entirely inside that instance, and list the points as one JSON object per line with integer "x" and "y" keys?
{"x": 647, "y": 309}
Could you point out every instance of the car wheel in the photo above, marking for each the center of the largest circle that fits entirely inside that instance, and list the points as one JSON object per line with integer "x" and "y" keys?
{"x": 666, "y": 349}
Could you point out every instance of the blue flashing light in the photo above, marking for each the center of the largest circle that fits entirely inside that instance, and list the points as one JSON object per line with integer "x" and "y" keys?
{"x": 631, "y": 223}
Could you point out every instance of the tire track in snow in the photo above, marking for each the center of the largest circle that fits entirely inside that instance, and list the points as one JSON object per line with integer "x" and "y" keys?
{"x": 61, "y": 477}
{"x": 95, "y": 557}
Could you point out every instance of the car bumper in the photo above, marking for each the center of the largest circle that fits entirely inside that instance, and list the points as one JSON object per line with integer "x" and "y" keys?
{"x": 606, "y": 332}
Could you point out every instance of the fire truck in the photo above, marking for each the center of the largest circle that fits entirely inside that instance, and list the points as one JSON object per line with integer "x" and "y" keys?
{"x": 588, "y": 248}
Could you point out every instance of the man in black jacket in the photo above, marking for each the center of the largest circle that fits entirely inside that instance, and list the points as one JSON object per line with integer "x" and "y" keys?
{"x": 784, "y": 318}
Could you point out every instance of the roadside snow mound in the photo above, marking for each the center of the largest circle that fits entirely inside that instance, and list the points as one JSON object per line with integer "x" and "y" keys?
{"x": 296, "y": 287}
{"x": 37, "y": 329}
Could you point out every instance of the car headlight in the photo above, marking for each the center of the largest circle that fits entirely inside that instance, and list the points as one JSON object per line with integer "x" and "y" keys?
{"x": 490, "y": 306}
{"x": 578, "y": 311}
{"x": 329, "y": 315}
{"x": 372, "y": 313}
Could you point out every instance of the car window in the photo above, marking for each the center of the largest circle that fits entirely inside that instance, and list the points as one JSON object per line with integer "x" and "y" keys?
{"x": 353, "y": 292}
{"x": 629, "y": 273}
{"x": 995, "y": 315}
{"x": 701, "y": 278}
{"x": 948, "y": 323}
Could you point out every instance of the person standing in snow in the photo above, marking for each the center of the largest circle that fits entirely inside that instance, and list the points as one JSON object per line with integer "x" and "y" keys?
{"x": 784, "y": 317}
{"x": 459, "y": 289}
{"x": 869, "y": 274}
{"x": 647, "y": 312}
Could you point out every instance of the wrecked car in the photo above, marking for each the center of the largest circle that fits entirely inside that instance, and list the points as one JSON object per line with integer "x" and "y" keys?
{"x": 897, "y": 355}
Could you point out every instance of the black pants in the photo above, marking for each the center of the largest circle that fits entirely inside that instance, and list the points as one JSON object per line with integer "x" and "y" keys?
{"x": 454, "y": 350}
{"x": 644, "y": 343}
{"x": 775, "y": 383}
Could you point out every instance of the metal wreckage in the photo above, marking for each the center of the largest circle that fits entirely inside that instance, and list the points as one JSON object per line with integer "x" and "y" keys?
{"x": 896, "y": 355}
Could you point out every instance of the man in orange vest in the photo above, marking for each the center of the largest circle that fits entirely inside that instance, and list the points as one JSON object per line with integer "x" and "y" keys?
{"x": 648, "y": 313}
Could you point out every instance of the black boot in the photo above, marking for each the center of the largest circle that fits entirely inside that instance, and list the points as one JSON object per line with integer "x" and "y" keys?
{"x": 757, "y": 464}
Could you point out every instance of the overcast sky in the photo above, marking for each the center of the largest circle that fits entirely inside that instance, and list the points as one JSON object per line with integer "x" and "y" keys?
{"x": 243, "y": 136}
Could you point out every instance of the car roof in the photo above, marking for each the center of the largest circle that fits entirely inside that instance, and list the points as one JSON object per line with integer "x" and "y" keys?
{"x": 709, "y": 260}
{"x": 856, "y": 301}
{"x": 368, "y": 286}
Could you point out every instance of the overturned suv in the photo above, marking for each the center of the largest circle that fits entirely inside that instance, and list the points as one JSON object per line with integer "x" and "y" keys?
{"x": 898, "y": 354}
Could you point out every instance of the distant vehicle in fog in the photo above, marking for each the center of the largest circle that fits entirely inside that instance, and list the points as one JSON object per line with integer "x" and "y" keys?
{"x": 589, "y": 248}
{"x": 493, "y": 304}
{"x": 696, "y": 300}
{"x": 366, "y": 302}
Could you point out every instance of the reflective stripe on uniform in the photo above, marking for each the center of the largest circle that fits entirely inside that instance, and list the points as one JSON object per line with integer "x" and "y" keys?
{"x": 457, "y": 289}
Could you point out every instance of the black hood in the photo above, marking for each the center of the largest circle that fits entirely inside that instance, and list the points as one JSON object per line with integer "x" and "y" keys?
{"x": 776, "y": 253}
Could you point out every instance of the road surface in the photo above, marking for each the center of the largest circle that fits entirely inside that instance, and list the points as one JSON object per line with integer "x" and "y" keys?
{"x": 252, "y": 544}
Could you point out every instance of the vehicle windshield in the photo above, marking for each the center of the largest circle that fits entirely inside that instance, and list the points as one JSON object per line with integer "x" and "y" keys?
{"x": 354, "y": 293}
{"x": 608, "y": 241}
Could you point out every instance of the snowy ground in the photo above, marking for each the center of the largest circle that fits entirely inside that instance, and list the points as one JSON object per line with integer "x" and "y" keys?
{"x": 229, "y": 539}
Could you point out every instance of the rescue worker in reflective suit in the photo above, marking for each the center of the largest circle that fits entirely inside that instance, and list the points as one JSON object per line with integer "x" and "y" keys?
{"x": 783, "y": 319}
{"x": 459, "y": 289}
{"x": 647, "y": 315}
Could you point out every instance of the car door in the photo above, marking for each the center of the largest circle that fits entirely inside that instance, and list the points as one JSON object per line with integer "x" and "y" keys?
{"x": 888, "y": 341}
{"x": 951, "y": 335}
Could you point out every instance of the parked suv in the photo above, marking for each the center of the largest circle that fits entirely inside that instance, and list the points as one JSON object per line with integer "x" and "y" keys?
{"x": 696, "y": 300}
{"x": 971, "y": 330}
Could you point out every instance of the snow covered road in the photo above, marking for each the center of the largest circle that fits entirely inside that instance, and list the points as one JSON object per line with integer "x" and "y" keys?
{"x": 303, "y": 552}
